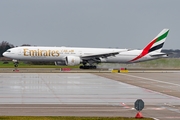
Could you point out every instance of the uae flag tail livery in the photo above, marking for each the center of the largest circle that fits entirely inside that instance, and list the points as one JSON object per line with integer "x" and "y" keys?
{"x": 155, "y": 46}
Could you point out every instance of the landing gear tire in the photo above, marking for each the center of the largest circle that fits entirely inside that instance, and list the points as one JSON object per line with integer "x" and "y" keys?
{"x": 81, "y": 67}
{"x": 87, "y": 67}
{"x": 16, "y": 63}
{"x": 94, "y": 67}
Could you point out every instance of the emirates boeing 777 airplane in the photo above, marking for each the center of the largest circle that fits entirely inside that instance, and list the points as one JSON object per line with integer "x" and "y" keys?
{"x": 89, "y": 57}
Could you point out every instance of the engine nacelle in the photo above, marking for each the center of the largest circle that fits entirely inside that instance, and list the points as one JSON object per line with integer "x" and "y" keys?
{"x": 72, "y": 60}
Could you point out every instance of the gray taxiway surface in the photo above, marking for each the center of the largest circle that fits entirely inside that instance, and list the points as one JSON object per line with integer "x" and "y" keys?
{"x": 85, "y": 94}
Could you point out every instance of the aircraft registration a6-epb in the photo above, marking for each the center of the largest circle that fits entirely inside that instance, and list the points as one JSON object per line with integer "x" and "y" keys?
{"x": 89, "y": 57}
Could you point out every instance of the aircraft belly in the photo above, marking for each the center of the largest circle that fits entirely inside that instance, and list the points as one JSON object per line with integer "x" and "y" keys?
{"x": 119, "y": 59}
{"x": 39, "y": 58}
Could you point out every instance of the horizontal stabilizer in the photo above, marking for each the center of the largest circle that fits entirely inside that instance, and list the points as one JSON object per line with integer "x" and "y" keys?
{"x": 158, "y": 54}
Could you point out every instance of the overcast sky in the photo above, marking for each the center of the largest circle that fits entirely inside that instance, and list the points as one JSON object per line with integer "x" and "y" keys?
{"x": 89, "y": 23}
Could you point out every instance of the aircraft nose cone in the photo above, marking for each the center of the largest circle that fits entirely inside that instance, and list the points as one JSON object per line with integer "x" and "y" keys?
{"x": 4, "y": 54}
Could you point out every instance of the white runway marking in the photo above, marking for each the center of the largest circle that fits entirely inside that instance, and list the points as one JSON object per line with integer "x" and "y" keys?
{"x": 150, "y": 79}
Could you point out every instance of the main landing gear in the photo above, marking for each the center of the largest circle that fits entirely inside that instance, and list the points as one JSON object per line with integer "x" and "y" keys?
{"x": 87, "y": 67}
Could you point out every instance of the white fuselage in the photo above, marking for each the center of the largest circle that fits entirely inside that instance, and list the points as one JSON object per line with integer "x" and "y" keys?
{"x": 74, "y": 56}
{"x": 30, "y": 53}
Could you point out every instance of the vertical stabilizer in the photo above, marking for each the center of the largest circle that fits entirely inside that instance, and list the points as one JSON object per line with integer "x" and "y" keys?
{"x": 157, "y": 43}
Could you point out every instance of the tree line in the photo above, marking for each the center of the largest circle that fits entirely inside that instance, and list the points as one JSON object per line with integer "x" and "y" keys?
{"x": 4, "y": 45}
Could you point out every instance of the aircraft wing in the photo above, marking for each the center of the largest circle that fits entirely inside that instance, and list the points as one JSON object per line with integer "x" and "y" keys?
{"x": 101, "y": 55}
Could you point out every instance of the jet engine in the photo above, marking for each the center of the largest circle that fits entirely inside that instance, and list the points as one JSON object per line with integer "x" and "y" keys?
{"x": 72, "y": 60}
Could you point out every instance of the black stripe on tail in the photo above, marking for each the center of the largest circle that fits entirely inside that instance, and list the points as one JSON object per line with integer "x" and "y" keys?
{"x": 156, "y": 47}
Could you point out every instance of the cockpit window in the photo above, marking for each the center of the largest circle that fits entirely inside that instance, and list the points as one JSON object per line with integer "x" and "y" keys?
{"x": 8, "y": 51}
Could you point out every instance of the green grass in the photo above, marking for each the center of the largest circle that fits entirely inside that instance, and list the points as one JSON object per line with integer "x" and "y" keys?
{"x": 172, "y": 63}
{"x": 161, "y": 63}
{"x": 66, "y": 118}
{"x": 23, "y": 65}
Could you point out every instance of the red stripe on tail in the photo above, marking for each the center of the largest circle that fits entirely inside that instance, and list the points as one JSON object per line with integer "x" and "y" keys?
{"x": 145, "y": 50}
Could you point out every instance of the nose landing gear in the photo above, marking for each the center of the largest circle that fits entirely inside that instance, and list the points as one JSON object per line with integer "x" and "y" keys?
{"x": 16, "y": 63}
